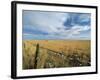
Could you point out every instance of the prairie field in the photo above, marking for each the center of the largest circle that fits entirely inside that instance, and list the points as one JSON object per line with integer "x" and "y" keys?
{"x": 38, "y": 54}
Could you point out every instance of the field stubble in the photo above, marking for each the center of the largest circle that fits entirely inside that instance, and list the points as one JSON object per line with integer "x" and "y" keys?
{"x": 58, "y": 53}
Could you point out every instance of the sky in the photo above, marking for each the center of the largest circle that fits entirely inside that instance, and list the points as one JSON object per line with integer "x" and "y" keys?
{"x": 41, "y": 25}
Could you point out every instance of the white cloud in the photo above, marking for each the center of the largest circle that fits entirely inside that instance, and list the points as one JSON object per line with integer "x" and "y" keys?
{"x": 48, "y": 22}
{"x": 53, "y": 24}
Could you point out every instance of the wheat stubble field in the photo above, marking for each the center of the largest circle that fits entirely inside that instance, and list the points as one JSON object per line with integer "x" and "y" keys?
{"x": 56, "y": 53}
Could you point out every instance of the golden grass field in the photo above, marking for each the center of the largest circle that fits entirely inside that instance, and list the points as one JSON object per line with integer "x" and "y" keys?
{"x": 58, "y": 53}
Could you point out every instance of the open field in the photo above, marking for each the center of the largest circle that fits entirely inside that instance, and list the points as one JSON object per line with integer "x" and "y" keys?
{"x": 56, "y": 53}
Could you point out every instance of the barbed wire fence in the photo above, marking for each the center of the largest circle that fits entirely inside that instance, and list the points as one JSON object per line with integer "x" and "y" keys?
{"x": 47, "y": 58}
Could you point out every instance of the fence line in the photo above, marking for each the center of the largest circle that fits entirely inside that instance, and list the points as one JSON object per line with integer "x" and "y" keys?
{"x": 55, "y": 52}
{"x": 46, "y": 48}
{"x": 50, "y": 62}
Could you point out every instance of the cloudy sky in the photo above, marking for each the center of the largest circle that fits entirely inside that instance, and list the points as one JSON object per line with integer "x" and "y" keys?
{"x": 56, "y": 25}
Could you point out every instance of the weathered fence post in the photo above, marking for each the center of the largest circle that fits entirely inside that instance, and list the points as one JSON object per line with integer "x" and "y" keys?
{"x": 36, "y": 56}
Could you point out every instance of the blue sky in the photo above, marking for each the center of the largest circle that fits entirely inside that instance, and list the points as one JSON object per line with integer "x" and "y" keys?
{"x": 56, "y": 25}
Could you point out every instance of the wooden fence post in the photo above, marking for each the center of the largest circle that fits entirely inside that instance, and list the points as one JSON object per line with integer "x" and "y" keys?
{"x": 36, "y": 56}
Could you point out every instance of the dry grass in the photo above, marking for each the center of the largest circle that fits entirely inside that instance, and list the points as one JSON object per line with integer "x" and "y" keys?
{"x": 70, "y": 53}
